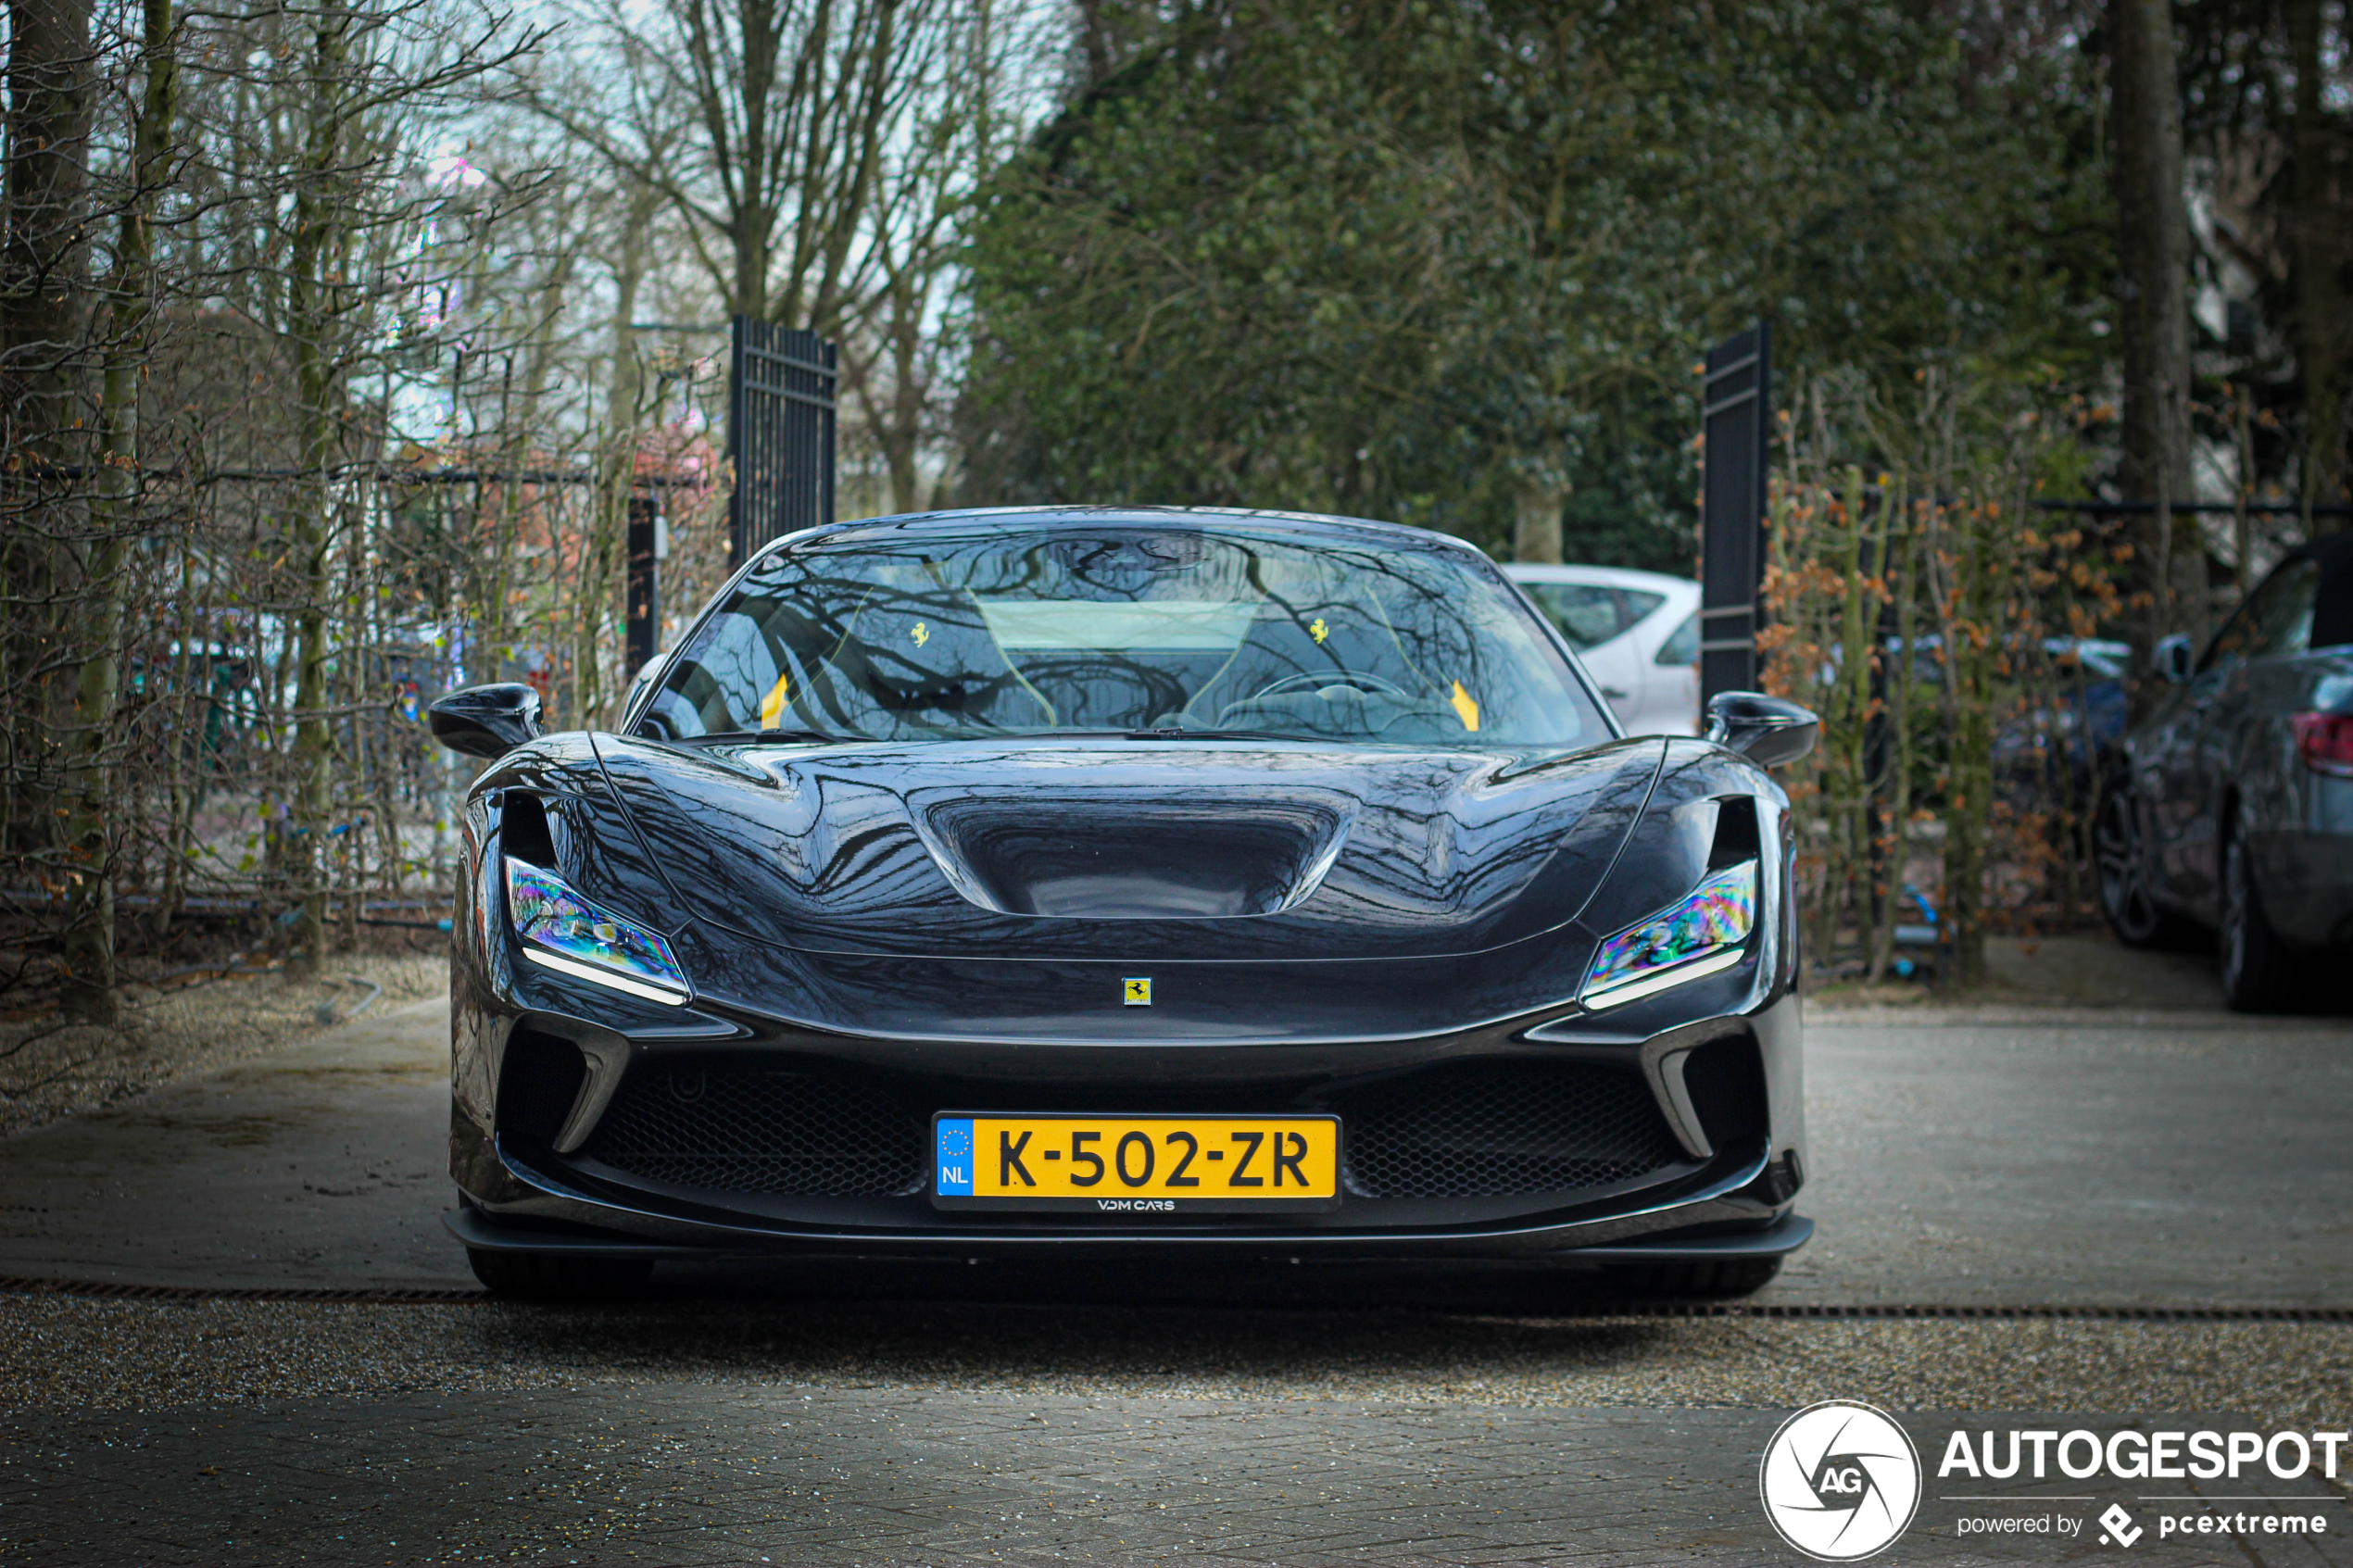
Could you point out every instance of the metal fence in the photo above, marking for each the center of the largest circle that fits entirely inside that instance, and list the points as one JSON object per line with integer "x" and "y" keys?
{"x": 1736, "y": 418}
{"x": 781, "y": 383}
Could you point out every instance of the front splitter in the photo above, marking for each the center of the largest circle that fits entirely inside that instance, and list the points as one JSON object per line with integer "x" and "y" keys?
{"x": 1785, "y": 1236}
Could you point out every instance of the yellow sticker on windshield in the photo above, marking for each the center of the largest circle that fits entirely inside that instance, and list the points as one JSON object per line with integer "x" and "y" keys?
{"x": 922, "y": 634}
{"x": 1318, "y": 630}
{"x": 1465, "y": 707}
{"x": 771, "y": 707}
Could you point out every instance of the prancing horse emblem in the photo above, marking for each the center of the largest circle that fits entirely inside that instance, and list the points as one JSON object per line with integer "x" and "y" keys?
{"x": 1136, "y": 991}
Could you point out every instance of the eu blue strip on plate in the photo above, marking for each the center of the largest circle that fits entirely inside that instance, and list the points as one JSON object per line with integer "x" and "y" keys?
{"x": 953, "y": 1161}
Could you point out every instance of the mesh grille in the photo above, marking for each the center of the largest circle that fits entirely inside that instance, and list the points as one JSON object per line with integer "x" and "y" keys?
{"x": 1505, "y": 1129}
{"x": 762, "y": 1131}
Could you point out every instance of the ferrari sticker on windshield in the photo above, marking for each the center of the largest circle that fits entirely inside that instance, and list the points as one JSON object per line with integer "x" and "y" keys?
{"x": 922, "y": 634}
{"x": 1465, "y": 707}
{"x": 771, "y": 707}
{"x": 1318, "y": 630}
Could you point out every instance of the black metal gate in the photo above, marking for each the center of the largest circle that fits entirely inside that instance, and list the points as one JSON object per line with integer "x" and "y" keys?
{"x": 643, "y": 591}
{"x": 1736, "y": 416}
{"x": 781, "y": 383}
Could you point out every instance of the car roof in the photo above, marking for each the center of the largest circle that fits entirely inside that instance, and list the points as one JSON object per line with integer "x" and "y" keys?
{"x": 1606, "y": 576}
{"x": 1307, "y": 525}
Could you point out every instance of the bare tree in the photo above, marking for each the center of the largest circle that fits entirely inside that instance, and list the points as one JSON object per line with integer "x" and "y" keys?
{"x": 317, "y": 116}
{"x": 88, "y": 943}
{"x": 2317, "y": 249}
{"x": 2153, "y": 260}
{"x": 793, "y": 104}
{"x": 323, "y": 371}
{"x": 896, "y": 354}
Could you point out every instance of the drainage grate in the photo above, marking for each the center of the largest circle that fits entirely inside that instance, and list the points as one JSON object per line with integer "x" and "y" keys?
{"x": 111, "y": 1290}
{"x": 768, "y": 1132}
{"x": 116, "y": 1290}
{"x": 1502, "y": 1129}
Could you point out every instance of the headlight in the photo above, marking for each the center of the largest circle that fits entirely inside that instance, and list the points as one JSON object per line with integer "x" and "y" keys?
{"x": 1700, "y": 935}
{"x": 564, "y": 932}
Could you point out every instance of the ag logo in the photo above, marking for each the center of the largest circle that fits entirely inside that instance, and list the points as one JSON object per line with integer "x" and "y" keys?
{"x": 1840, "y": 1481}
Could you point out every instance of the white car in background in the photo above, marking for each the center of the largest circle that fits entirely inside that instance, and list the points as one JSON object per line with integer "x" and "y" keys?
{"x": 1637, "y": 633}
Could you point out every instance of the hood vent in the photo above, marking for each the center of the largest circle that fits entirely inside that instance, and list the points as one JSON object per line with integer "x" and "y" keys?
{"x": 1117, "y": 857}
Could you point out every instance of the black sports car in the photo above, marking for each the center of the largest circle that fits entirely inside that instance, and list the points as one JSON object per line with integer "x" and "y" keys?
{"x": 1090, "y": 881}
{"x": 2230, "y": 807}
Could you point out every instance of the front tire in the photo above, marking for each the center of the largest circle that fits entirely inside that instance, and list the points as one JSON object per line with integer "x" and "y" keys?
{"x": 2121, "y": 859}
{"x": 1712, "y": 1281}
{"x": 558, "y": 1276}
{"x": 2258, "y": 972}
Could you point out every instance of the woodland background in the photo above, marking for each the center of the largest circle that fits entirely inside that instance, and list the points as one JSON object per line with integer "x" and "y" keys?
{"x": 334, "y": 339}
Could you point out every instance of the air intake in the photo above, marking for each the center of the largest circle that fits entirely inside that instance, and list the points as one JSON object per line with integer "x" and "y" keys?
{"x": 731, "y": 1130}
{"x": 1503, "y": 1129}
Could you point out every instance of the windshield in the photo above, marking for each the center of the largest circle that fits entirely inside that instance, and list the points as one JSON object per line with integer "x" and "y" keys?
{"x": 1070, "y": 629}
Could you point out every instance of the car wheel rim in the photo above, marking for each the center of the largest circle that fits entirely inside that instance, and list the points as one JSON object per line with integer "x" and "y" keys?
{"x": 2124, "y": 894}
{"x": 2234, "y": 917}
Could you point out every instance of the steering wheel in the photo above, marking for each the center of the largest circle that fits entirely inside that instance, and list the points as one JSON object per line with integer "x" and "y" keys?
{"x": 1318, "y": 679}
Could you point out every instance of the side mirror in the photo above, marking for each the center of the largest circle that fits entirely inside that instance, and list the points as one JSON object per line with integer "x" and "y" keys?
{"x": 1768, "y": 731}
{"x": 486, "y": 720}
{"x": 2172, "y": 659}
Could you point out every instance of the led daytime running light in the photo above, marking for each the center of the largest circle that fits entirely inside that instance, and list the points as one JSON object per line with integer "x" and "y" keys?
{"x": 1700, "y": 935}
{"x": 564, "y": 932}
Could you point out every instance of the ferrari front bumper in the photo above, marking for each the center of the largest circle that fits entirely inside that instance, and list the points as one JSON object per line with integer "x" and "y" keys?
{"x": 1721, "y": 1093}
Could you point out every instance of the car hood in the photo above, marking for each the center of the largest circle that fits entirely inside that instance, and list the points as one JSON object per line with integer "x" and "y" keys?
{"x": 1133, "y": 850}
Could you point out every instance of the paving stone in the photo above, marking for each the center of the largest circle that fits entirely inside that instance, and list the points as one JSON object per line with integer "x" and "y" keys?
{"x": 680, "y": 1473}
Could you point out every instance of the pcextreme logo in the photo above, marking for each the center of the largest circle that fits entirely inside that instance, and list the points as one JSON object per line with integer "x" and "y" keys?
{"x": 1840, "y": 1481}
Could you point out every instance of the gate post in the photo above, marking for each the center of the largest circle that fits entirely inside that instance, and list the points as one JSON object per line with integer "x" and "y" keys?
{"x": 643, "y": 552}
{"x": 781, "y": 386}
{"x": 1736, "y": 419}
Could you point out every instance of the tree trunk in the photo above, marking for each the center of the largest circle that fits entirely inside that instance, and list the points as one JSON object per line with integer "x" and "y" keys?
{"x": 2153, "y": 258}
{"x": 1538, "y": 495}
{"x": 752, "y": 217}
{"x": 2317, "y": 250}
{"x": 88, "y": 944}
{"x": 314, "y": 271}
{"x": 1095, "y": 40}
{"x": 43, "y": 335}
{"x": 42, "y": 260}
{"x": 90, "y": 938}
{"x": 611, "y": 519}
{"x": 894, "y": 413}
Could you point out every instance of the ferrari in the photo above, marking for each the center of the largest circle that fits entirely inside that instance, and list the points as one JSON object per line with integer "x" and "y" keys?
{"x": 1099, "y": 883}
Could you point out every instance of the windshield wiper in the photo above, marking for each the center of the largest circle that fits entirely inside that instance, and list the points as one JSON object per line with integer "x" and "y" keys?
{"x": 755, "y": 737}
{"x": 751, "y": 738}
{"x": 1175, "y": 733}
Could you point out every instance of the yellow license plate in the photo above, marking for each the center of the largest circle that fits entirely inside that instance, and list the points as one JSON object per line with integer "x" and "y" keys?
{"x": 1135, "y": 1164}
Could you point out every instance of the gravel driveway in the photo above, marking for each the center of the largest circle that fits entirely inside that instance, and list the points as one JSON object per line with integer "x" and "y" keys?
{"x": 2179, "y": 1161}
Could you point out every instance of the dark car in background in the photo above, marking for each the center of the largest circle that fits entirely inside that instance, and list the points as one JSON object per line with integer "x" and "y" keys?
{"x": 1124, "y": 882}
{"x": 2229, "y": 810}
